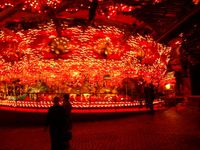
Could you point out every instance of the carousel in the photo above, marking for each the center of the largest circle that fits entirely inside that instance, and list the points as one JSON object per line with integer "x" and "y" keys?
{"x": 101, "y": 65}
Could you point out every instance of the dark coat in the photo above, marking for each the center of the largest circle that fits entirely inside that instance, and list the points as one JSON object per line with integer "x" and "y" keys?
{"x": 56, "y": 119}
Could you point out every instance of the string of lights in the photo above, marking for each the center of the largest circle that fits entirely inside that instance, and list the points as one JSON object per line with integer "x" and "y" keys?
{"x": 92, "y": 52}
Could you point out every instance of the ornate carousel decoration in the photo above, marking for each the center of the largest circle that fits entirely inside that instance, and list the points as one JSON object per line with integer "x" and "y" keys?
{"x": 91, "y": 63}
{"x": 59, "y": 45}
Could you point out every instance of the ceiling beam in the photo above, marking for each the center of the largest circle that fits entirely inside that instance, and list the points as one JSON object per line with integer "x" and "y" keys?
{"x": 172, "y": 29}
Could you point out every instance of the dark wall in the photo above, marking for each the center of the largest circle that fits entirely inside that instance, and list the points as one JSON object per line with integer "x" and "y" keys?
{"x": 195, "y": 79}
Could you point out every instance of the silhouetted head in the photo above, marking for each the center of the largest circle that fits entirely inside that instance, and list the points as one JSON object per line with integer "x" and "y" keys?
{"x": 56, "y": 100}
{"x": 151, "y": 85}
{"x": 66, "y": 97}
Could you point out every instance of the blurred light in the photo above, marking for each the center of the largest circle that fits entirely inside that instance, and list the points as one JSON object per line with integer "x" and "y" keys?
{"x": 168, "y": 86}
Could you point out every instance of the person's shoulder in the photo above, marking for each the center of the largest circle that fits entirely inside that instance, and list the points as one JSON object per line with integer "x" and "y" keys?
{"x": 55, "y": 107}
{"x": 60, "y": 107}
{"x": 51, "y": 107}
{"x": 69, "y": 104}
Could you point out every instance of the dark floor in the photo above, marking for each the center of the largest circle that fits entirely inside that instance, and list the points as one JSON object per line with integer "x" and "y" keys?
{"x": 177, "y": 128}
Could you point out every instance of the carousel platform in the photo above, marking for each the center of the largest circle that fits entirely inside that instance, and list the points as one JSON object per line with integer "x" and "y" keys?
{"x": 34, "y": 113}
{"x": 81, "y": 106}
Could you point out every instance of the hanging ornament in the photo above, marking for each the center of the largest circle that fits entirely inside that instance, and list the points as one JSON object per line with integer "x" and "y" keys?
{"x": 59, "y": 45}
{"x": 140, "y": 54}
{"x": 104, "y": 47}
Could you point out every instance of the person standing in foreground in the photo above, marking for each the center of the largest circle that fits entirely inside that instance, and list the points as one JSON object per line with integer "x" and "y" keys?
{"x": 152, "y": 96}
{"x": 68, "y": 124}
{"x": 149, "y": 92}
{"x": 56, "y": 119}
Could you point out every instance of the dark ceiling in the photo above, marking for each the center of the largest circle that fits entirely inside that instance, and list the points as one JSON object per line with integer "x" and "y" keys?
{"x": 172, "y": 17}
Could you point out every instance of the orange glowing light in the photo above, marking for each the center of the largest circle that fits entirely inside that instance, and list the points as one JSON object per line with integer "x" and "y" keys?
{"x": 168, "y": 86}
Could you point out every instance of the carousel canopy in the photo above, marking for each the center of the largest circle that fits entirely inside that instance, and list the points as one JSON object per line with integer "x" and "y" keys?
{"x": 52, "y": 40}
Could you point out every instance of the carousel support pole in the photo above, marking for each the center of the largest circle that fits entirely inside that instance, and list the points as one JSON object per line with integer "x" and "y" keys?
{"x": 5, "y": 90}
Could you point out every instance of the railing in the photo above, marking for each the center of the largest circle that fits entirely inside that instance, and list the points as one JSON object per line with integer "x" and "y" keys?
{"x": 44, "y": 100}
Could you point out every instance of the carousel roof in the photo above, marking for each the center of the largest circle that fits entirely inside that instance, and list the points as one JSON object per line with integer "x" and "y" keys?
{"x": 157, "y": 17}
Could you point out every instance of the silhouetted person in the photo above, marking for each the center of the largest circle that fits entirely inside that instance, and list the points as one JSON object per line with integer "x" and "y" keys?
{"x": 149, "y": 92}
{"x": 56, "y": 122}
{"x": 92, "y": 10}
{"x": 68, "y": 123}
{"x": 179, "y": 82}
